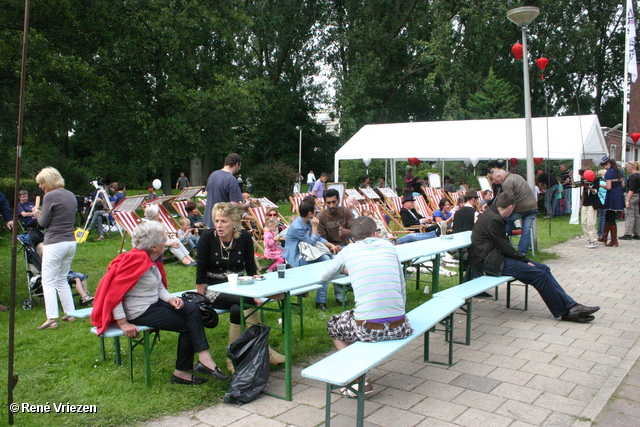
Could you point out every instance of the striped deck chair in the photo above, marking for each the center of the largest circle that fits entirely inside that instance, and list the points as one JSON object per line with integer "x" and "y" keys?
{"x": 295, "y": 201}
{"x": 355, "y": 193}
{"x": 125, "y": 215}
{"x": 183, "y": 198}
{"x": 434, "y": 194}
{"x": 422, "y": 207}
{"x": 266, "y": 202}
{"x": 259, "y": 215}
{"x": 387, "y": 192}
{"x": 170, "y": 225}
{"x": 370, "y": 194}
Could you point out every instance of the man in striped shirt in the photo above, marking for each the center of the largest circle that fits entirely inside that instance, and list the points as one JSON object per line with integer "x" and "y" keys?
{"x": 379, "y": 288}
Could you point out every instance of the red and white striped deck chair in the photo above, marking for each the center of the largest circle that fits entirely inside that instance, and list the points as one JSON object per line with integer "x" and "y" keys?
{"x": 170, "y": 226}
{"x": 422, "y": 207}
{"x": 392, "y": 208}
{"x": 434, "y": 194}
{"x": 266, "y": 202}
{"x": 125, "y": 215}
{"x": 259, "y": 214}
{"x": 181, "y": 200}
{"x": 355, "y": 193}
{"x": 295, "y": 201}
{"x": 454, "y": 196}
{"x": 370, "y": 194}
{"x": 387, "y": 192}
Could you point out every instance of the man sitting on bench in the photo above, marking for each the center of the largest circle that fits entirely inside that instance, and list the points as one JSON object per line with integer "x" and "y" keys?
{"x": 379, "y": 288}
{"x": 492, "y": 253}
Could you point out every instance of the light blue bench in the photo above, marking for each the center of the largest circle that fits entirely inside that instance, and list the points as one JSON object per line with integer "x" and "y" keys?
{"x": 114, "y": 331}
{"x": 343, "y": 368}
{"x": 466, "y": 291}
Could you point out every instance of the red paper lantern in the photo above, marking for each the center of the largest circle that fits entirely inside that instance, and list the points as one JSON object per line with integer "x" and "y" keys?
{"x": 589, "y": 175}
{"x": 516, "y": 50}
{"x": 513, "y": 161}
{"x": 635, "y": 136}
{"x": 413, "y": 161}
{"x": 538, "y": 160}
{"x": 542, "y": 63}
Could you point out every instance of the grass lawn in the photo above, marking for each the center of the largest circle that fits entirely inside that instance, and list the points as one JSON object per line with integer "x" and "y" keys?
{"x": 63, "y": 366}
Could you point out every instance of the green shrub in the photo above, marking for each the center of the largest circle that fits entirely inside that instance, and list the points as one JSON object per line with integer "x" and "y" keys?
{"x": 273, "y": 180}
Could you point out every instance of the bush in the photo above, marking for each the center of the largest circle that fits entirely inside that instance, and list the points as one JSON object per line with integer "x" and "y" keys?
{"x": 273, "y": 180}
{"x": 7, "y": 185}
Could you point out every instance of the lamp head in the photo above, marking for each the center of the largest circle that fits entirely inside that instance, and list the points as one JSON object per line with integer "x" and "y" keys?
{"x": 523, "y": 16}
{"x": 298, "y": 127}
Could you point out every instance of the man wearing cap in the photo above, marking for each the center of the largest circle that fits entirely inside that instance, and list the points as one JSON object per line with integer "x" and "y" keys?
{"x": 526, "y": 206}
{"x": 411, "y": 218}
{"x": 491, "y": 253}
{"x": 379, "y": 288}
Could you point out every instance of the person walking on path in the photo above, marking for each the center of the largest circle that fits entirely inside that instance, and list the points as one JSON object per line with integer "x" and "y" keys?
{"x": 632, "y": 204}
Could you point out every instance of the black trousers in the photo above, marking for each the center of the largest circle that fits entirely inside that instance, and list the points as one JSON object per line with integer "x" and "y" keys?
{"x": 187, "y": 322}
{"x": 231, "y": 303}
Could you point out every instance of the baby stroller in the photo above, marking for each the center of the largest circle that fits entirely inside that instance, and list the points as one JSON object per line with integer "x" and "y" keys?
{"x": 33, "y": 263}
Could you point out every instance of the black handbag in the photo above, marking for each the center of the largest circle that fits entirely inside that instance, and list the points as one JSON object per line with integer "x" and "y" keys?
{"x": 209, "y": 314}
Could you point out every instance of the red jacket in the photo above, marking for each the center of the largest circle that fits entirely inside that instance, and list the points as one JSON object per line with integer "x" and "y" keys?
{"x": 122, "y": 275}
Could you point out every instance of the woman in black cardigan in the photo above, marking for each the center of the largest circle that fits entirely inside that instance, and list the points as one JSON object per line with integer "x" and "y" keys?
{"x": 225, "y": 249}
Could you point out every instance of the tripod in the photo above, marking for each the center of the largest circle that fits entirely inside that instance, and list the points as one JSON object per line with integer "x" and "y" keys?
{"x": 102, "y": 194}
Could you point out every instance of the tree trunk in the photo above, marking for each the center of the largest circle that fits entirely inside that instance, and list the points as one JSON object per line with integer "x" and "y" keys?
{"x": 196, "y": 177}
{"x": 167, "y": 184}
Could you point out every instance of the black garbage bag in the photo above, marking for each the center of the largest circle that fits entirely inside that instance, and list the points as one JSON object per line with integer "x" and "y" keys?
{"x": 250, "y": 357}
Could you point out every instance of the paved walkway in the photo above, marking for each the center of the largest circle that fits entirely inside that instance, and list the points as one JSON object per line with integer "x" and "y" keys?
{"x": 522, "y": 368}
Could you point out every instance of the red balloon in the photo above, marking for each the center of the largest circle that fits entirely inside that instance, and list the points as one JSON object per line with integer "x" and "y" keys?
{"x": 413, "y": 161}
{"x": 635, "y": 136}
{"x": 589, "y": 175}
{"x": 538, "y": 160}
{"x": 539, "y": 171}
{"x": 542, "y": 63}
{"x": 513, "y": 161}
{"x": 516, "y": 50}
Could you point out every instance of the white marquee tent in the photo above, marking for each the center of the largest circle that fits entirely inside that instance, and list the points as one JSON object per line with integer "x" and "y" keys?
{"x": 564, "y": 138}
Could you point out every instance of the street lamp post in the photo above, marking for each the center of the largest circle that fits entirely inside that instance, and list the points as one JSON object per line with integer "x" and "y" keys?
{"x": 300, "y": 158}
{"x": 522, "y": 17}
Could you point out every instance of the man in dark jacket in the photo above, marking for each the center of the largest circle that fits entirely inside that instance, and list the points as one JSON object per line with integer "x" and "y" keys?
{"x": 492, "y": 253}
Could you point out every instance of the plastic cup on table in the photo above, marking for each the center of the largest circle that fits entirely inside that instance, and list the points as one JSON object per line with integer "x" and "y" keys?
{"x": 233, "y": 280}
{"x": 281, "y": 270}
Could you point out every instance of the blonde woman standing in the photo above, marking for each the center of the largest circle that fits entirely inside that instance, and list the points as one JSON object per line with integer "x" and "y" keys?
{"x": 58, "y": 217}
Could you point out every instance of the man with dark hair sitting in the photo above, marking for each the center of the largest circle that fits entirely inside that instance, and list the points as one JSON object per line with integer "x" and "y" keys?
{"x": 305, "y": 229}
{"x": 379, "y": 288}
{"x": 491, "y": 253}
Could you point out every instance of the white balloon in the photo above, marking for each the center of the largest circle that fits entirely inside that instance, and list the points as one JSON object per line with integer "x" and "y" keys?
{"x": 367, "y": 161}
{"x": 466, "y": 162}
{"x": 157, "y": 184}
{"x": 473, "y": 161}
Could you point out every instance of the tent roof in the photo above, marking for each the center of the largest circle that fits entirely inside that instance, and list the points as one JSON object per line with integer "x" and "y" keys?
{"x": 480, "y": 139}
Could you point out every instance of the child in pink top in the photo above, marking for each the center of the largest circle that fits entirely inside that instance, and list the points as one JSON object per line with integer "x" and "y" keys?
{"x": 271, "y": 249}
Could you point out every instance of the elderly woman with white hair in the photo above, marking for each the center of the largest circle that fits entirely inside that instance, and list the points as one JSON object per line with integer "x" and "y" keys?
{"x": 57, "y": 216}
{"x": 134, "y": 293}
{"x": 152, "y": 213}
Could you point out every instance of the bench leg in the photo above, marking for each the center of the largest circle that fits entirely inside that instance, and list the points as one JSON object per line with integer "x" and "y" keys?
{"x": 147, "y": 357}
{"x": 131, "y": 345}
{"x": 361, "y": 392}
{"x": 327, "y": 410}
{"x": 448, "y": 325}
{"x": 116, "y": 345}
{"x": 102, "y": 351}
{"x": 436, "y": 275}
